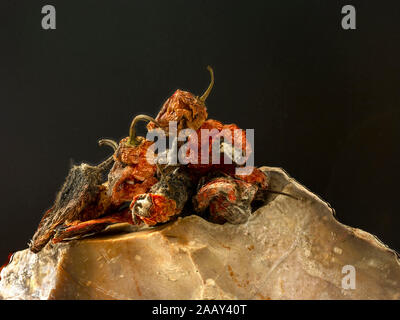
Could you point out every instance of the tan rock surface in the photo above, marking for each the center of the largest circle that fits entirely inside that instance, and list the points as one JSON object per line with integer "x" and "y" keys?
{"x": 289, "y": 249}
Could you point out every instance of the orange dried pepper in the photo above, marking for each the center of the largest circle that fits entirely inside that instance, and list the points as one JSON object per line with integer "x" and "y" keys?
{"x": 228, "y": 134}
{"x": 132, "y": 173}
{"x": 79, "y": 228}
{"x": 165, "y": 199}
{"x": 188, "y": 110}
{"x": 227, "y": 199}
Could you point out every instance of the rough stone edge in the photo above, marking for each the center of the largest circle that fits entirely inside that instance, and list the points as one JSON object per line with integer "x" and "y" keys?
{"x": 358, "y": 233}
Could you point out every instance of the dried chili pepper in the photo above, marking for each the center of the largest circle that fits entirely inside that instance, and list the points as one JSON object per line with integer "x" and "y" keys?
{"x": 165, "y": 199}
{"x": 256, "y": 177}
{"x": 227, "y": 135}
{"x": 81, "y": 189}
{"x": 188, "y": 110}
{"x": 85, "y": 228}
{"x": 227, "y": 199}
{"x": 132, "y": 173}
{"x": 85, "y": 205}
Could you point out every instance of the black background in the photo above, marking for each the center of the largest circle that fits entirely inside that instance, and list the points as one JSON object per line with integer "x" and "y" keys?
{"x": 324, "y": 102}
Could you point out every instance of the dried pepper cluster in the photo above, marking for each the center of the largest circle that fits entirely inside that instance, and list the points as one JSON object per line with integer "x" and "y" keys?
{"x": 138, "y": 192}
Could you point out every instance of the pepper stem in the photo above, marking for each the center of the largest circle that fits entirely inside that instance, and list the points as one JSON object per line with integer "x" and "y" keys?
{"x": 110, "y": 159}
{"x": 207, "y": 92}
{"x": 108, "y": 142}
{"x": 133, "y": 140}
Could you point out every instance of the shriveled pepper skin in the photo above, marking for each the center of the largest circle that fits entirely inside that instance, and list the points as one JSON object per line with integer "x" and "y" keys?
{"x": 132, "y": 173}
{"x": 255, "y": 176}
{"x": 132, "y": 155}
{"x": 188, "y": 110}
{"x": 184, "y": 108}
{"x": 85, "y": 205}
{"x": 78, "y": 229}
{"x": 153, "y": 208}
{"x": 125, "y": 184}
{"x": 80, "y": 191}
{"x": 165, "y": 199}
{"x": 228, "y": 199}
{"x": 228, "y": 134}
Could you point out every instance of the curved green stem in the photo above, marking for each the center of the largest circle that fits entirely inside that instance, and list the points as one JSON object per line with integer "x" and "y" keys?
{"x": 108, "y": 142}
{"x": 133, "y": 140}
{"x": 207, "y": 92}
{"x": 110, "y": 159}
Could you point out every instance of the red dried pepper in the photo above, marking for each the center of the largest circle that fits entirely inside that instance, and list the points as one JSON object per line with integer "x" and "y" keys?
{"x": 165, "y": 199}
{"x": 228, "y": 199}
{"x": 132, "y": 173}
{"x": 78, "y": 228}
{"x": 226, "y": 195}
{"x": 188, "y": 110}
{"x": 227, "y": 134}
